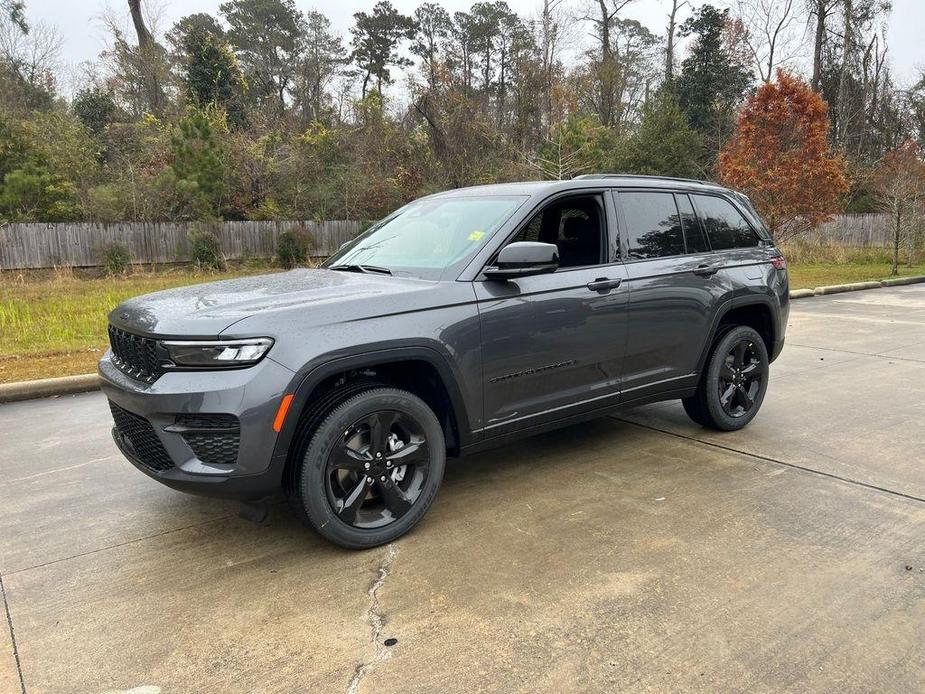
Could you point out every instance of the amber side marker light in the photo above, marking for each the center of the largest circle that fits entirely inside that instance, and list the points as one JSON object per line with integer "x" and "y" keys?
{"x": 281, "y": 413}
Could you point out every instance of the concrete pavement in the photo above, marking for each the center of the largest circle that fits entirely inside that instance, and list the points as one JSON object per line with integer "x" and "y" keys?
{"x": 635, "y": 553}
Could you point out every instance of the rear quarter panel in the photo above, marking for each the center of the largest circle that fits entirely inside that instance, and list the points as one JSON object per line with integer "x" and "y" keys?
{"x": 755, "y": 280}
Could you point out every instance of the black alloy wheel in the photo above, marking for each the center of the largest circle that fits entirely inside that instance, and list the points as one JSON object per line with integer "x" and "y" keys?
{"x": 733, "y": 383}
{"x": 376, "y": 472}
{"x": 370, "y": 468}
{"x": 740, "y": 378}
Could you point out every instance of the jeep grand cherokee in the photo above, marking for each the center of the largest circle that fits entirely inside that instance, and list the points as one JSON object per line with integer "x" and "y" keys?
{"x": 461, "y": 321}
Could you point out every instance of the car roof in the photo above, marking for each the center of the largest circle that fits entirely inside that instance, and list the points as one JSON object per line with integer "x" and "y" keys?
{"x": 588, "y": 181}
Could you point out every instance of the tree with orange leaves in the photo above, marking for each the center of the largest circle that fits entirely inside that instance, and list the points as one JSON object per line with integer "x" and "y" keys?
{"x": 780, "y": 157}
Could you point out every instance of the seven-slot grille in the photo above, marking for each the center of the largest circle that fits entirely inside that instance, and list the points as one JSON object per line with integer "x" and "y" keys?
{"x": 142, "y": 441}
{"x": 135, "y": 355}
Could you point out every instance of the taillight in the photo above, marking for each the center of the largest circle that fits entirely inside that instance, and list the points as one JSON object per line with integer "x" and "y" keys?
{"x": 779, "y": 262}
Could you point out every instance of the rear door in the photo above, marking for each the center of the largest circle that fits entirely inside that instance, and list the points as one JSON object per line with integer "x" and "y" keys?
{"x": 737, "y": 245}
{"x": 552, "y": 345}
{"x": 675, "y": 283}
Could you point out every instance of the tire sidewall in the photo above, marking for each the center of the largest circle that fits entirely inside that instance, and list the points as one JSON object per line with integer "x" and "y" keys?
{"x": 312, "y": 488}
{"x": 711, "y": 381}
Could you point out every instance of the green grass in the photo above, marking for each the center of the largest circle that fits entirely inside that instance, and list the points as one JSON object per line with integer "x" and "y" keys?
{"x": 812, "y": 275}
{"x": 54, "y": 323}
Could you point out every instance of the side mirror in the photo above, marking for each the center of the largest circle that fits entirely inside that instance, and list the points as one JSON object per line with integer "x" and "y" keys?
{"x": 522, "y": 259}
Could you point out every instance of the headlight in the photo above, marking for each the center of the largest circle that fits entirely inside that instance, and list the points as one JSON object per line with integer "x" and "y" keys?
{"x": 217, "y": 353}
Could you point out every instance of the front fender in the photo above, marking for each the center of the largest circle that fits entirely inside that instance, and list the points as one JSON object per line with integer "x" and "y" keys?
{"x": 324, "y": 366}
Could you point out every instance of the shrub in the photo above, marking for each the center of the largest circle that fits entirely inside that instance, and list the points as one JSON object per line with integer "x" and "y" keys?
{"x": 293, "y": 247}
{"x": 114, "y": 258}
{"x": 267, "y": 209}
{"x": 205, "y": 250}
{"x": 109, "y": 202}
{"x": 33, "y": 193}
{"x": 95, "y": 108}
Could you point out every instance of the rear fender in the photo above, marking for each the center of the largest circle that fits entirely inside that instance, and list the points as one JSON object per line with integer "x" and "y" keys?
{"x": 723, "y": 311}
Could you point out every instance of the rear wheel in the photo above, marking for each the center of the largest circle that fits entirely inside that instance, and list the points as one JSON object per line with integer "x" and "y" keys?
{"x": 734, "y": 383}
{"x": 371, "y": 469}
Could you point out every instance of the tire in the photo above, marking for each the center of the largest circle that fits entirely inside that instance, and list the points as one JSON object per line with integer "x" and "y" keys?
{"x": 734, "y": 382}
{"x": 355, "y": 498}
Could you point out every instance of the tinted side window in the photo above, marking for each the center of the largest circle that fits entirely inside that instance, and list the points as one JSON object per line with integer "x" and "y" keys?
{"x": 725, "y": 227}
{"x": 693, "y": 233}
{"x": 652, "y": 224}
{"x": 574, "y": 225}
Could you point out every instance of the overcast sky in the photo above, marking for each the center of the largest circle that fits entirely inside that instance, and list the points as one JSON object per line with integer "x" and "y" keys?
{"x": 81, "y": 25}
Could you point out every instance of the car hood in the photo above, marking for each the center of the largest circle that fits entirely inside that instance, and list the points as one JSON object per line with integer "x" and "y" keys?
{"x": 206, "y": 310}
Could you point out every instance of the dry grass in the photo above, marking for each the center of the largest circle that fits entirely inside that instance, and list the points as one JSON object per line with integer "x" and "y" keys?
{"x": 814, "y": 265}
{"x": 53, "y": 323}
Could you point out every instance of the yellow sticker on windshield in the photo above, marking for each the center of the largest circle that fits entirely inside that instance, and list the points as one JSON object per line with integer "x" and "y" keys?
{"x": 476, "y": 235}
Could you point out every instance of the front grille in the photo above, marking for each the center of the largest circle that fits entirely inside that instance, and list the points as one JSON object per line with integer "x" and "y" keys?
{"x": 138, "y": 434}
{"x": 135, "y": 355}
{"x": 214, "y": 438}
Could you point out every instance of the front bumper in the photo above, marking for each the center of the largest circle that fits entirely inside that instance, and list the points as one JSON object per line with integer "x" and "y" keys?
{"x": 251, "y": 395}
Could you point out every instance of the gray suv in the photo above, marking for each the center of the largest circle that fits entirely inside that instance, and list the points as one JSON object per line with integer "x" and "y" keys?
{"x": 461, "y": 321}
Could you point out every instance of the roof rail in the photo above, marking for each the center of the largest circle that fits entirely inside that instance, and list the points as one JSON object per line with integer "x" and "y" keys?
{"x": 628, "y": 175}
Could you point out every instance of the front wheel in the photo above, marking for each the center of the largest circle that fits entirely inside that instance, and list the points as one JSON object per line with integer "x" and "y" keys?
{"x": 734, "y": 383}
{"x": 372, "y": 468}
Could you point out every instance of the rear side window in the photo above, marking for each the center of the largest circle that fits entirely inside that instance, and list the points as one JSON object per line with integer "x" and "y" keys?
{"x": 693, "y": 233}
{"x": 653, "y": 224}
{"x": 725, "y": 226}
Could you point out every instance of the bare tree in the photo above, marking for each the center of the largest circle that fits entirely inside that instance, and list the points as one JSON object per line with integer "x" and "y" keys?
{"x": 898, "y": 184}
{"x": 561, "y": 162}
{"x": 31, "y": 59}
{"x": 602, "y": 16}
{"x": 152, "y": 55}
{"x": 139, "y": 72}
{"x": 319, "y": 65}
{"x": 549, "y": 31}
{"x": 820, "y": 11}
{"x": 145, "y": 38}
{"x": 669, "y": 38}
{"x": 841, "y": 102}
{"x": 14, "y": 11}
{"x": 769, "y": 33}
{"x": 874, "y": 73}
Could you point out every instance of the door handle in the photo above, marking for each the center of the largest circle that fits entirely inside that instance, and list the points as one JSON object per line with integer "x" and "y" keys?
{"x": 603, "y": 284}
{"x": 706, "y": 270}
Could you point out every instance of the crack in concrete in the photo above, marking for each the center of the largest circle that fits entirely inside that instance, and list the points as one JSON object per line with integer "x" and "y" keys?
{"x": 376, "y": 621}
{"x": 9, "y": 622}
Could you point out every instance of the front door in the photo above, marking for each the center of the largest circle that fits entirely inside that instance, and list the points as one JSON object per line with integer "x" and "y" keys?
{"x": 552, "y": 345}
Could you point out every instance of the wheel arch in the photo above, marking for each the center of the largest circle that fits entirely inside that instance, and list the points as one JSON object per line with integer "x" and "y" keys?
{"x": 755, "y": 312}
{"x": 420, "y": 370}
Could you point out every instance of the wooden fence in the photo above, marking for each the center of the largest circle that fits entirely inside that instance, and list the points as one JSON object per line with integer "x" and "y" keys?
{"x": 78, "y": 244}
{"x": 865, "y": 230}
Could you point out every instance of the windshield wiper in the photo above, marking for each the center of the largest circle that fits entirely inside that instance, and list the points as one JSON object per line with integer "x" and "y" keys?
{"x": 353, "y": 267}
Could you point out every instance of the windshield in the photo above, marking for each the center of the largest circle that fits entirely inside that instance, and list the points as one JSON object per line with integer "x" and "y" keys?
{"x": 427, "y": 237}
